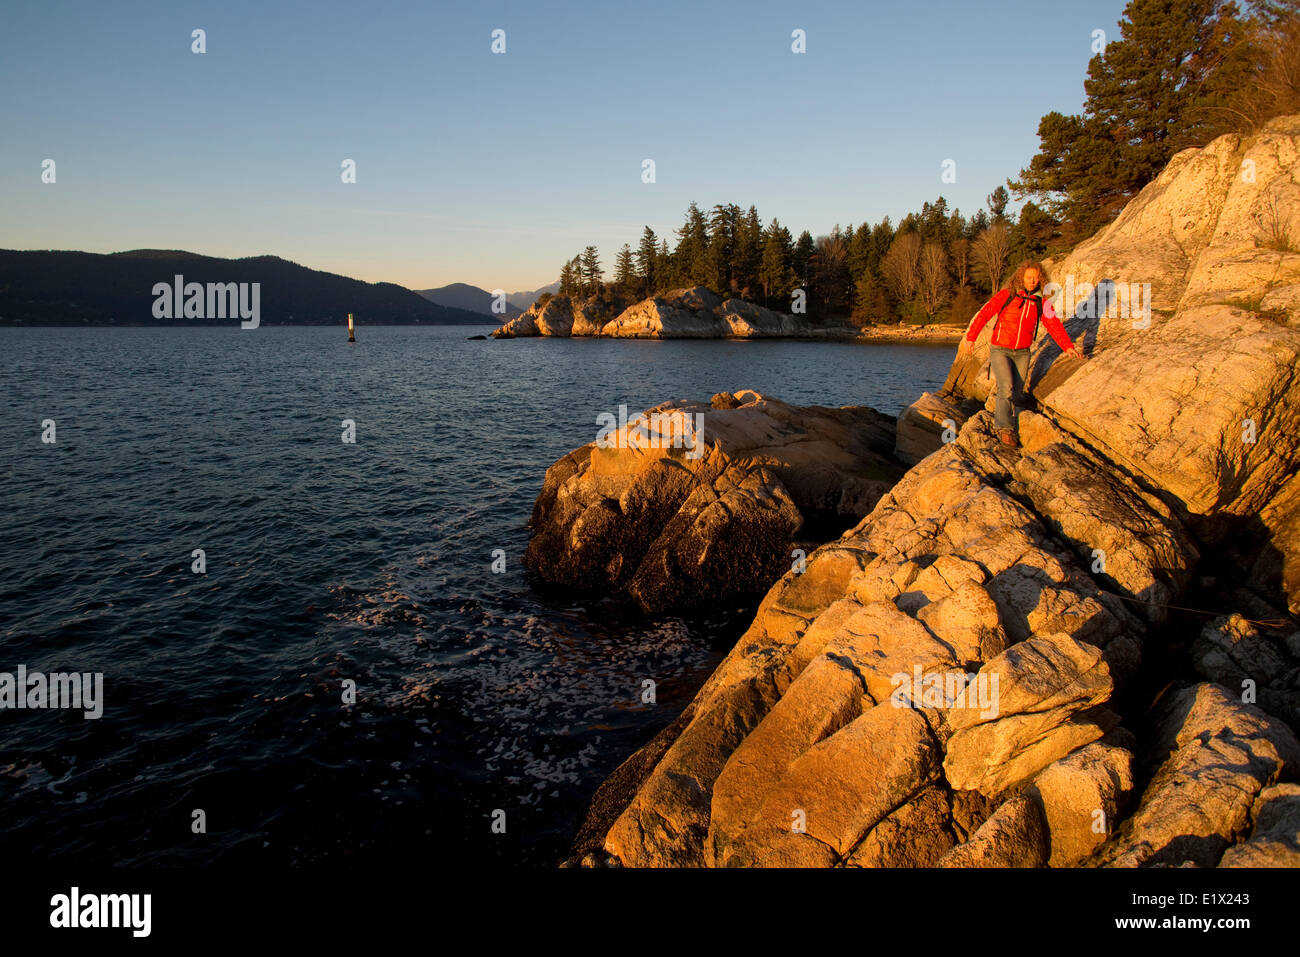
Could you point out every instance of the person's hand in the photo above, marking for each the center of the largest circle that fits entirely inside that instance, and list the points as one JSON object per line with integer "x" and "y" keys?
{"x": 1074, "y": 353}
{"x": 966, "y": 347}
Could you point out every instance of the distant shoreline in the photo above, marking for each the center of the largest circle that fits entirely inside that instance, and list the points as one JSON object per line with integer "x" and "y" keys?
{"x": 885, "y": 335}
{"x": 939, "y": 335}
{"x": 229, "y": 323}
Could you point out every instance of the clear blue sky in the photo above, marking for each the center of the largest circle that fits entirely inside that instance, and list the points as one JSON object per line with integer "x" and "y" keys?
{"x": 494, "y": 169}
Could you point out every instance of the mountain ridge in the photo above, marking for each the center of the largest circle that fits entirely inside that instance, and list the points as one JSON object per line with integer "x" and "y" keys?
{"x": 76, "y": 288}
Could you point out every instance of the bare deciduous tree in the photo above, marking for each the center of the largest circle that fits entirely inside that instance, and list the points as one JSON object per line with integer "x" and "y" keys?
{"x": 989, "y": 254}
{"x": 1276, "y": 87}
{"x": 902, "y": 265}
{"x": 960, "y": 249}
{"x": 935, "y": 281}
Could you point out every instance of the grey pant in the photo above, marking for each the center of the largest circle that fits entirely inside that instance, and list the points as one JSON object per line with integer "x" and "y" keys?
{"x": 1010, "y": 368}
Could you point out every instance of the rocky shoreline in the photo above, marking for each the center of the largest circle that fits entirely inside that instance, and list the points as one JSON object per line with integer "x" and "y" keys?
{"x": 912, "y": 335}
{"x": 694, "y": 313}
{"x": 1084, "y": 652}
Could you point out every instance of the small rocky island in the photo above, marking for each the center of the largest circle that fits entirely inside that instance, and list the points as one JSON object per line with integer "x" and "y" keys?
{"x": 1125, "y": 584}
{"x": 694, "y": 313}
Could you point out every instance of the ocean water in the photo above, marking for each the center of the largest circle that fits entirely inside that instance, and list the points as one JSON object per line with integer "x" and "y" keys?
{"x": 480, "y": 697}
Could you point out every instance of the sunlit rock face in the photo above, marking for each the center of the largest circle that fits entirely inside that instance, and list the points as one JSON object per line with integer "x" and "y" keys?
{"x": 689, "y": 504}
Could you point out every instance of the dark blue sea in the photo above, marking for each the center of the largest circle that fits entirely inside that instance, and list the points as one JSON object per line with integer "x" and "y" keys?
{"x": 326, "y": 562}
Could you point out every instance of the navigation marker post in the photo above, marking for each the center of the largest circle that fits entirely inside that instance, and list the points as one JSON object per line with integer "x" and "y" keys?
{"x": 352, "y": 336}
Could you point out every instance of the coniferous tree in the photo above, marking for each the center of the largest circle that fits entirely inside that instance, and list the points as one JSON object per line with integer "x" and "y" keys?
{"x": 647, "y": 261}
{"x": 1150, "y": 94}
{"x": 934, "y": 221}
{"x": 804, "y": 247}
{"x": 749, "y": 252}
{"x": 1035, "y": 234}
{"x": 625, "y": 271}
{"x": 690, "y": 258}
{"x": 591, "y": 271}
{"x": 573, "y": 269}
{"x": 998, "y": 200}
{"x": 882, "y": 236}
{"x": 860, "y": 252}
{"x": 871, "y": 304}
{"x": 776, "y": 274}
{"x": 724, "y": 229}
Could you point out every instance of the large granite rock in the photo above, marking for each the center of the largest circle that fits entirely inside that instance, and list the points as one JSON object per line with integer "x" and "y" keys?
{"x": 561, "y": 316}
{"x": 1275, "y": 840}
{"x": 1047, "y": 691}
{"x": 1015, "y": 835}
{"x": 690, "y": 504}
{"x": 1260, "y": 664}
{"x": 930, "y": 422}
{"x": 1082, "y": 796}
{"x": 1219, "y": 755}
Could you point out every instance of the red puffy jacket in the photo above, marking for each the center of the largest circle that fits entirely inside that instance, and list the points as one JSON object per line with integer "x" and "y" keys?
{"x": 1017, "y": 322}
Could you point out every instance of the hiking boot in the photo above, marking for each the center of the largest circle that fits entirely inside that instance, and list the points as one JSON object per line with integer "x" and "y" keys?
{"x": 1009, "y": 438}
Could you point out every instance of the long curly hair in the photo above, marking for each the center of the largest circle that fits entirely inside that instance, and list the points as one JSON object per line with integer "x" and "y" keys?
{"x": 1018, "y": 278}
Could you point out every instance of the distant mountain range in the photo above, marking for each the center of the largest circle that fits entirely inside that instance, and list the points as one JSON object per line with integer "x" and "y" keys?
{"x": 50, "y": 287}
{"x": 461, "y": 295}
{"x": 525, "y": 299}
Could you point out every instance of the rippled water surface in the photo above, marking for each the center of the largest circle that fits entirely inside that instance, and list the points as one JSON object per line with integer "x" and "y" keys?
{"x": 329, "y": 561}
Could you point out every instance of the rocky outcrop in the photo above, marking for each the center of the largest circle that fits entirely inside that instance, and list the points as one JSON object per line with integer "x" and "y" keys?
{"x": 689, "y": 504}
{"x": 694, "y": 313}
{"x": 1222, "y": 755}
{"x": 1259, "y": 663}
{"x": 1015, "y": 835}
{"x": 942, "y": 686}
{"x": 979, "y": 672}
{"x": 1199, "y": 398}
{"x": 1275, "y": 839}
{"x": 561, "y": 316}
{"x": 951, "y": 577}
{"x": 928, "y": 423}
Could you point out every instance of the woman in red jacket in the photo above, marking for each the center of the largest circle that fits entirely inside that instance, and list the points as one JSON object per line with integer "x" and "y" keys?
{"x": 1017, "y": 314}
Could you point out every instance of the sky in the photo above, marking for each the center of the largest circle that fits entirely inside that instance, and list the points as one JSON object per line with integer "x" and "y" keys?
{"x": 494, "y": 168}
